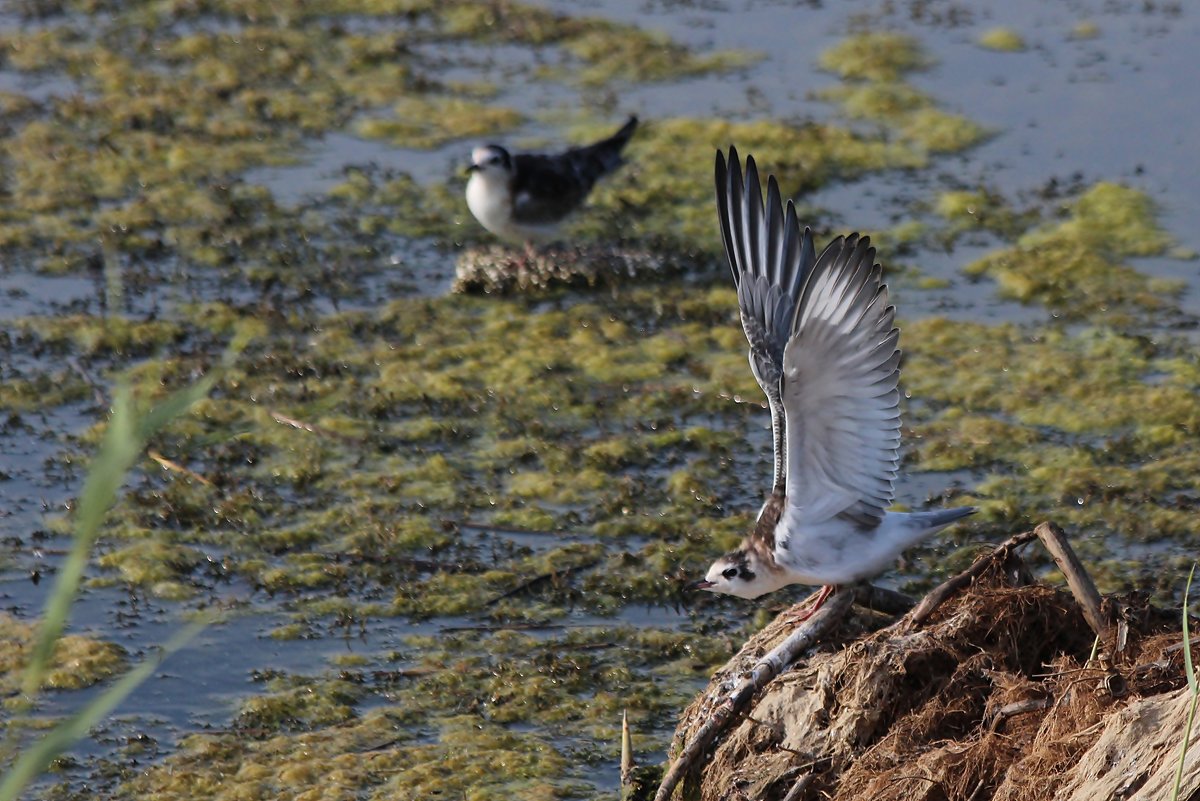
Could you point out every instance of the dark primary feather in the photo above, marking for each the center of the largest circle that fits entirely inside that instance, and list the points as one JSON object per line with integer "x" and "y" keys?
{"x": 548, "y": 188}
{"x": 768, "y": 256}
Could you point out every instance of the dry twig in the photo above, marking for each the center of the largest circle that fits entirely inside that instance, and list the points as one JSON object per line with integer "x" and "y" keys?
{"x": 880, "y": 599}
{"x": 313, "y": 428}
{"x": 177, "y": 467}
{"x": 939, "y": 594}
{"x": 763, "y": 671}
{"x": 800, "y": 788}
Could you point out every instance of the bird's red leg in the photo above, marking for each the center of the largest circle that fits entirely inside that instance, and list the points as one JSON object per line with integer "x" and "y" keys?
{"x": 805, "y": 614}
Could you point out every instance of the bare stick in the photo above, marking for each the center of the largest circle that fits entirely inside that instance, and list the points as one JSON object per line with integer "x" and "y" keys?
{"x": 626, "y": 755}
{"x": 800, "y": 788}
{"x": 176, "y": 467}
{"x": 1077, "y": 579}
{"x": 312, "y": 428}
{"x": 536, "y": 581}
{"x": 880, "y": 599}
{"x": 1020, "y": 708}
{"x": 763, "y": 671}
{"x": 938, "y": 595}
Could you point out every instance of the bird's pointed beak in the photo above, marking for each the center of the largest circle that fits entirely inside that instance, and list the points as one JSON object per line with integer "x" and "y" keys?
{"x": 471, "y": 169}
{"x": 702, "y": 584}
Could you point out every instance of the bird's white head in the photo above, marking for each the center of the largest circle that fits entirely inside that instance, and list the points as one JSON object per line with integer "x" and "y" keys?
{"x": 491, "y": 161}
{"x": 742, "y": 573}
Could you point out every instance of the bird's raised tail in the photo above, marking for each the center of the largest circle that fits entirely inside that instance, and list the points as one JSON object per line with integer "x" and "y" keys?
{"x": 929, "y": 522}
{"x": 595, "y": 161}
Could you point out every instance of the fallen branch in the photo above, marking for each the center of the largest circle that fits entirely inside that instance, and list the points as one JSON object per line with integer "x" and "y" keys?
{"x": 939, "y": 594}
{"x": 767, "y": 668}
{"x": 1078, "y": 580}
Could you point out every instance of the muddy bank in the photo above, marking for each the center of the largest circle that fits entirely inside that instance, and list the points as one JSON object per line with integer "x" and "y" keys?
{"x": 1002, "y": 692}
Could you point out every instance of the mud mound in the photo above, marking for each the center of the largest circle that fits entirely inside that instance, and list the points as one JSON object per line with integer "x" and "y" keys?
{"x": 500, "y": 270}
{"x": 992, "y": 697}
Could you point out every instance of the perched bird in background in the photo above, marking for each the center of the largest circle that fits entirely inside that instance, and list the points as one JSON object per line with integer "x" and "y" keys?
{"x": 824, "y": 349}
{"x": 524, "y": 197}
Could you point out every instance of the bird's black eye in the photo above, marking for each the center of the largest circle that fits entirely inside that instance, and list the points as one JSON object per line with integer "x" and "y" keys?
{"x": 729, "y": 572}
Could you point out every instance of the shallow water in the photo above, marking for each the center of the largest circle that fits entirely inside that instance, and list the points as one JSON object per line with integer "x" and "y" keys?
{"x": 1064, "y": 113}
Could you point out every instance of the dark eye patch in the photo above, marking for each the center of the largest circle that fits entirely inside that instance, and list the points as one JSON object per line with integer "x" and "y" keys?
{"x": 746, "y": 575}
{"x": 729, "y": 572}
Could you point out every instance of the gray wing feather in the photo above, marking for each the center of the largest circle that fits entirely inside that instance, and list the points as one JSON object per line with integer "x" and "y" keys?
{"x": 841, "y": 370}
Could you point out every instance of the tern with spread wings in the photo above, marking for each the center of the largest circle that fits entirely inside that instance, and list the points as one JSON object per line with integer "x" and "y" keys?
{"x": 824, "y": 349}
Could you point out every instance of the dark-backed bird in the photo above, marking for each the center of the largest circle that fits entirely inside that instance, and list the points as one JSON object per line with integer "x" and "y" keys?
{"x": 524, "y": 197}
{"x": 823, "y": 347}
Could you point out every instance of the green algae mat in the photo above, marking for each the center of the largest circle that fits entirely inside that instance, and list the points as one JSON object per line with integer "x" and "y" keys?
{"x": 450, "y": 533}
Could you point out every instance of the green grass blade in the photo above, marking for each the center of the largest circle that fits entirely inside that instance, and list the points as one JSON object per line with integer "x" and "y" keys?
{"x": 35, "y": 759}
{"x": 126, "y": 435}
{"x": 1187, "y": 637}
{"x": 1191, "y": 680}
{"x": 123, "y": 442}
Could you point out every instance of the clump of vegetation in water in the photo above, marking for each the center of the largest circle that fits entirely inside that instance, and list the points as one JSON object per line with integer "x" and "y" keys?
{"x": 1077, "y": 267}
{"x": 1006, "y": 40}
{"x": 873, "y": 66}
{"x": 77, "y": 661}
{"x": 429, "y": 122}
{"x": 876, "y": 56}
{"x": 981, "y": 209}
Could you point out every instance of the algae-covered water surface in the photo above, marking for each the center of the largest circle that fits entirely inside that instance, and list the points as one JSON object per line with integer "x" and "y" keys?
{"x": 449, "y": 534}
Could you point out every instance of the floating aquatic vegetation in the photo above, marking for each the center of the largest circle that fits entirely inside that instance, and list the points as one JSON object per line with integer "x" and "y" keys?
{"x": 873, "y": 65}
{"x": 1006, "y": 40}
{"x": 1076, "y": 267}
{"x": 430, "y": 122}
{"x": 875, "y": 56}
{"x": 77, "y": 661}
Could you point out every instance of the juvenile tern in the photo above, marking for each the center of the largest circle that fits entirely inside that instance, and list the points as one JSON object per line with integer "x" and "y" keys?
{"x": 824, "y": 349}
{"x": 522, "y": 198}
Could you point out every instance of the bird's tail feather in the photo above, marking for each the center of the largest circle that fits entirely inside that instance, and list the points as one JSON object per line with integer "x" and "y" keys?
{"x": 601, "y": 158}
{"x": 930, "y": 522}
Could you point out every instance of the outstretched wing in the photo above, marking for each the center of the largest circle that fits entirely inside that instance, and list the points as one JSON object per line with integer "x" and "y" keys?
{"x": 840, "y": 397}
{"x": 769, "y": 257}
